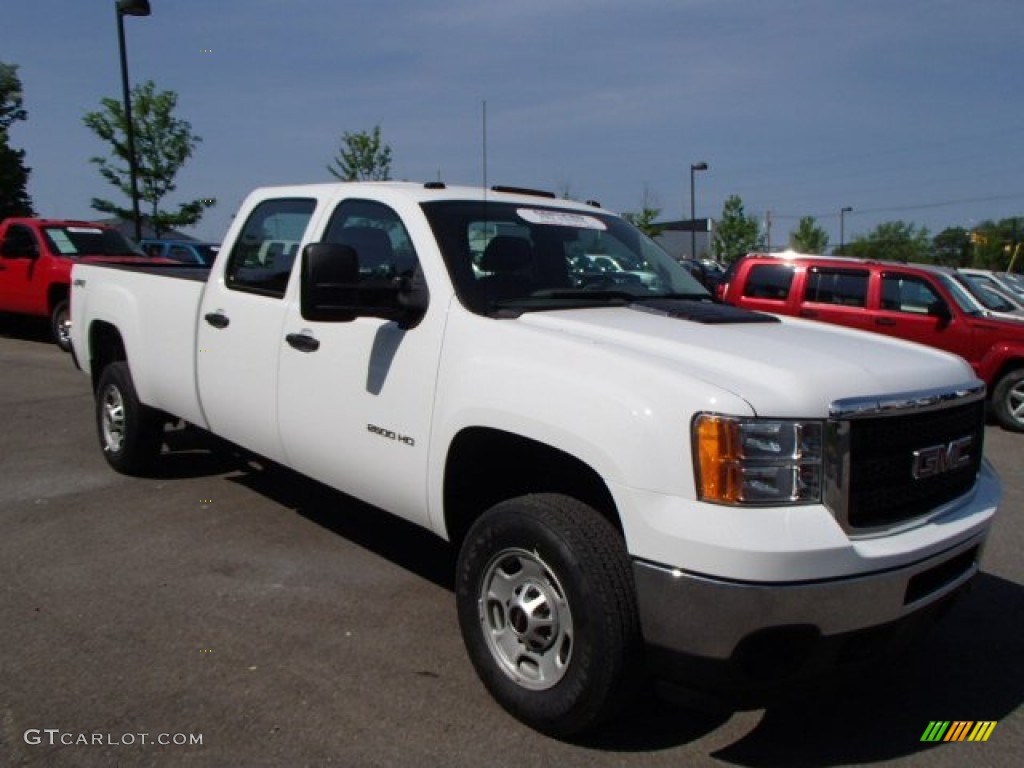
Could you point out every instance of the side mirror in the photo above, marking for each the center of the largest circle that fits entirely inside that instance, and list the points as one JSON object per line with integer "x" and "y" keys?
{"x": 333, "y": 290}
{"x": 940, "y": 310}
{"x": 330, "y": 280}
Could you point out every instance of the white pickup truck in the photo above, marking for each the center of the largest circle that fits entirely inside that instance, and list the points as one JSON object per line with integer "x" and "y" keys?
{"x": 637, "y": 478}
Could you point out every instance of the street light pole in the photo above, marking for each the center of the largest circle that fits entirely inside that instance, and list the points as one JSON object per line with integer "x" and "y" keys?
{"x": 842, "y": 232}
{"x": 124, "y": 8}
{"x": 702, "y": 166}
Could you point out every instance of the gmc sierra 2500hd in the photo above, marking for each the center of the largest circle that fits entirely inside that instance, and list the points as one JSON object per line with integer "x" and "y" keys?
{"x": 635, "y": 476}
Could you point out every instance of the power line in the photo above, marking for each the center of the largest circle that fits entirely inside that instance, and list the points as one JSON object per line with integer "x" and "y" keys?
{"x": 902, "y": 208}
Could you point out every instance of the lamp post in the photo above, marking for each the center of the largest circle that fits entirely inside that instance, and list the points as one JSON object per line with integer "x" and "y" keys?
{"x": 842, "y": 232}
{"x": 124, "y": 8}
{"x": 693, "y": 207}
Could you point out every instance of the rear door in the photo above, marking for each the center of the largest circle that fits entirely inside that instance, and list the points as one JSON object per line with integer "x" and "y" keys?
{"x": 240, "y": 325}
{"x": 356, "y": 398}
{"x": 837, "y": 295}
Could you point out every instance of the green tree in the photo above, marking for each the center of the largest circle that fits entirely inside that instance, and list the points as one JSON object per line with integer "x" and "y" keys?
{"x": 892, "y": 241}
{"x": 362, "y": 157}
{"x": 163, "y": 144}
{"x": 649, "y": 212}
{"x": 14, "y": 197}
{"x": 992, "y": 243}
{"x": 808, "y": 237}
{"x": 952, "y": 247}
{"x": 736, "y": 233}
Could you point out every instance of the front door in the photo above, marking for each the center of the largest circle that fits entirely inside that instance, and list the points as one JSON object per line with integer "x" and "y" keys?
{"x": 356, "y": 398}
{"x": 19, "y": 262}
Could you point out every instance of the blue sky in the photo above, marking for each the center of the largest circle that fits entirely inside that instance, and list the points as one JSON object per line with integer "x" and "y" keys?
{"x": 901, "y": 109}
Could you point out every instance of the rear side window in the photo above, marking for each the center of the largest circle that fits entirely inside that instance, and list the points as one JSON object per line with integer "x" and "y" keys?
{"x": 845, "y": 287}
{"x": 769, "y": 281}
{"x": 262, "y": 256}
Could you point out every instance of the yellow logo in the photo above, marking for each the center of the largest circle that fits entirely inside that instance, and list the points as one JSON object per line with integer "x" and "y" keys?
{"x": 958, "y": 730}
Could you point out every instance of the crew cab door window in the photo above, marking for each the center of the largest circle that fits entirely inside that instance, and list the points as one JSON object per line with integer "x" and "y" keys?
{"x": 261, "y": 258}
{"x": 377, "y": 235}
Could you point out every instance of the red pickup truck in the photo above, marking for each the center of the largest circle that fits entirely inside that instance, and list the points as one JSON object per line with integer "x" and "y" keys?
{"x": 36, "y": 256}
{"x": 917, "y": 303}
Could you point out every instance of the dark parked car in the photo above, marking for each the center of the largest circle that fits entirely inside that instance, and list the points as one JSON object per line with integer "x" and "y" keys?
{"x": 187, "y": 251}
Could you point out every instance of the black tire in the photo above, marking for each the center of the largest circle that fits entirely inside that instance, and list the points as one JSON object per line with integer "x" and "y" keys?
{"x": 1008, "y": 401}
{"x": 557, "y": 642}
{"x": 60, "y": 325}
{"x": 130, "y": 433}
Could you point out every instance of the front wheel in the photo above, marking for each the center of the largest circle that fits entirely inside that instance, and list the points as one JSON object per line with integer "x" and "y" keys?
{"x": 130, "y": 433}
{"x": 548, "y": 612}
{"x": 60, "y": 325}
{"x": 1008, "y": 401}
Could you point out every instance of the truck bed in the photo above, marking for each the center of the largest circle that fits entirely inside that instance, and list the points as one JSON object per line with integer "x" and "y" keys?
{"x": 155, "y": 307}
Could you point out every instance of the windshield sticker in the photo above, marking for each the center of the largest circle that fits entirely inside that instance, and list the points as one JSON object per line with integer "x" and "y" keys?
{"x": 62, "y": 241}
{"x": 560, "y": 219}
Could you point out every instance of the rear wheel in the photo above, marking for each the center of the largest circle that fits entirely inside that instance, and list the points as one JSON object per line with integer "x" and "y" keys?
{"x": 548, "y": 612}
{"x": 130, "y": 433}
{"x": 1008, "y": 401}
{"x": 60, "y": 325}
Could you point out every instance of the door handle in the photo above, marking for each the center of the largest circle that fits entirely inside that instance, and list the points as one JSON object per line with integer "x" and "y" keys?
{"x": 303, "y": 342}
{"x": 884, "y": 321}
{"x": 217, "y": 319}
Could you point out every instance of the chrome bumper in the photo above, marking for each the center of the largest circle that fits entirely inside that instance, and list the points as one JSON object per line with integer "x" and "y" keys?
{"x": 708, "y": 618}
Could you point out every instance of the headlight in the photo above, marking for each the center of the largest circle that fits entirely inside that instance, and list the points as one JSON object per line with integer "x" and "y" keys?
{"x": 757, "y": 461}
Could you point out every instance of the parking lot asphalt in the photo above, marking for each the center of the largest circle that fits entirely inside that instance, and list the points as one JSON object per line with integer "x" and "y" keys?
{"x": 281, "y": 624}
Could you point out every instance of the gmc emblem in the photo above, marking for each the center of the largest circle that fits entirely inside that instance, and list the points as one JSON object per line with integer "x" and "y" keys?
{"x": 936, "y": 459}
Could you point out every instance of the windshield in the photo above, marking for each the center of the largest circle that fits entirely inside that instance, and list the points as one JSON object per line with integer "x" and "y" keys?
{"x": 981, "y": 290}
{"x": 507, "y": 256}
{"x": 963, "y": 297}
{"x": 89, "y": 241}
{"x": 1014, "y": 280}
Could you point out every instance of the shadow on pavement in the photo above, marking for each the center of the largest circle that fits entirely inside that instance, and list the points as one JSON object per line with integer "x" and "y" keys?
{"x": 967, "y": 668}
{"x": 25, "y": 328}
{"x": 399, "y": 541}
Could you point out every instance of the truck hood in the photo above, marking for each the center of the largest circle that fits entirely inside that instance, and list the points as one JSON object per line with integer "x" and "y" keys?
{"x": 784, "y": 367}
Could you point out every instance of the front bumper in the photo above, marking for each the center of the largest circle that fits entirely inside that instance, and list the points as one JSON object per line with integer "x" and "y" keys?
{"x": 727, "y": 636}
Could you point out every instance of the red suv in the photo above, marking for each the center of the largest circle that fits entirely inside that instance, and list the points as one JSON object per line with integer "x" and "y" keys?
{"x": 915, "y": 303}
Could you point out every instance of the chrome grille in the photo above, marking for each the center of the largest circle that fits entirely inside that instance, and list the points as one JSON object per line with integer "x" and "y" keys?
{"x": 891, "y": 461}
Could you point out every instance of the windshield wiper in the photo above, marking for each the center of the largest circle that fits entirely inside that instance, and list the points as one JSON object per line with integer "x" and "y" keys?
{"x": 676, "y": 296}
{"x": 581, "y": 293}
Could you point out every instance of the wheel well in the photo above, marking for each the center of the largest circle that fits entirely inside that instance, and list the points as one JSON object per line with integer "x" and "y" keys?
{"x": 1007, "y": 367}
{"x": 485, "y": 466}
{"x": 105, "y": 347}
{"x": 57, "y": 293}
